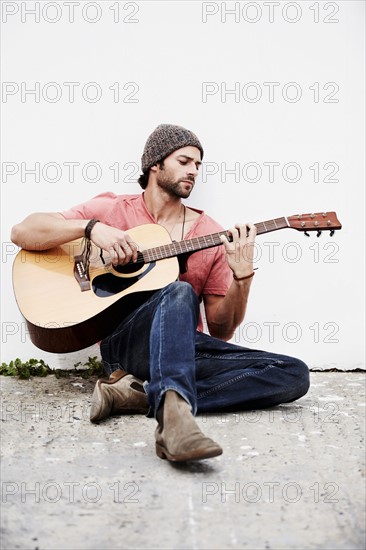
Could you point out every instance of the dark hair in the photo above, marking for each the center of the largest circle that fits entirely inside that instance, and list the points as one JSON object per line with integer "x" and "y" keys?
{"x": 144, "y": 178}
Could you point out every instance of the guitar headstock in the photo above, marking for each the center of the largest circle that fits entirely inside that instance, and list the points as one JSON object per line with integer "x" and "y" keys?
{"x": 319, "y": 222}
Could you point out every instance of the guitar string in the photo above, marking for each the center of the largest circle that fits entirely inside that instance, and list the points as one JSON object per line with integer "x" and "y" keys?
{"x": 163, "y": 251}
{"x": 160, "y": 251}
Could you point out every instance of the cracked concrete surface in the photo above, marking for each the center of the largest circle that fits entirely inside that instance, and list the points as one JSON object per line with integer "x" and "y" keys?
{"x": 291, "y": 477}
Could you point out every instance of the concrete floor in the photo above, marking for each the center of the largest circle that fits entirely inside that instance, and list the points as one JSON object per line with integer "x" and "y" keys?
{"x": 290, "y": 477}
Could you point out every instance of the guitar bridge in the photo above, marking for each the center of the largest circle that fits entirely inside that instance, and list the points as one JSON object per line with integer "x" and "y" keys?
{"x": 81, "y": 273}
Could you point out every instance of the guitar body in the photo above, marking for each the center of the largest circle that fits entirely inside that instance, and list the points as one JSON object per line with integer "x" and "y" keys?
{"x": 63, "y": 318}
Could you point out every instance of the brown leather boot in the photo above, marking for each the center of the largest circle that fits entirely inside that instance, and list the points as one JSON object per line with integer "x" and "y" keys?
{"x": 122, "y": 393}
{"x": 178, "y": 438}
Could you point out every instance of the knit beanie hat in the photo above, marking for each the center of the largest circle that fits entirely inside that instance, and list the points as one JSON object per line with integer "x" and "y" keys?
{"x": 163, "y": 141}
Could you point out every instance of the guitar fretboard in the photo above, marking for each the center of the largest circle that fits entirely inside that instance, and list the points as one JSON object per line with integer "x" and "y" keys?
{"x": 206, "y": 241}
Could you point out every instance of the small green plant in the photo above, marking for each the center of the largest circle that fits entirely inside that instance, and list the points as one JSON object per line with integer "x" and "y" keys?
{"x": 37, "y": 367}
{"x": 32, "y": 367}
{"x": 95, "y": 367}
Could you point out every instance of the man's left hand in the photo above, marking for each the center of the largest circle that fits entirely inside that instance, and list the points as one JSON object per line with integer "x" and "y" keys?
{"x": 240, "y": 251}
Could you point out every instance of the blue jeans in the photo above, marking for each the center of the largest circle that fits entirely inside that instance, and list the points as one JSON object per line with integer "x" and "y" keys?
{"x": 159, "y": 344}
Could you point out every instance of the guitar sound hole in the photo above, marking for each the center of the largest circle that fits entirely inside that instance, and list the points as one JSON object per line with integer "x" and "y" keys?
{"x": 130, "y": 267}
{"x": 108, "y": 284}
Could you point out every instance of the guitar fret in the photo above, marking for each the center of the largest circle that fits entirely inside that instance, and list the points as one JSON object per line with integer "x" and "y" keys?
{"x": 271, "y": 225}
{"x": 179, "y": 247}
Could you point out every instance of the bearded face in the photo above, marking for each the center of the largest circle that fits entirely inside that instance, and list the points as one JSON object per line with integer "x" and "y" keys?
{"x": 169, "y": 180}
{"x": 177, "y": 173}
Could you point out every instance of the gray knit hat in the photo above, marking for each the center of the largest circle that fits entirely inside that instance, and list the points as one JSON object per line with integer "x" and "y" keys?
{"x": 163, "y": 141}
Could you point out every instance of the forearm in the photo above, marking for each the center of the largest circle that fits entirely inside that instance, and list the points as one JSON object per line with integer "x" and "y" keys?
{"x": 225, "y": 315}
{"x": 41, "y": 231}
{"x": 231, "y": 310}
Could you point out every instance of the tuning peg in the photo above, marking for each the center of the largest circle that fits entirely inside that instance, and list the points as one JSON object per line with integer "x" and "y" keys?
{"x": 318, "y": 233}
{"x": 332, "y": 233}
{"x": 306, "y": 234}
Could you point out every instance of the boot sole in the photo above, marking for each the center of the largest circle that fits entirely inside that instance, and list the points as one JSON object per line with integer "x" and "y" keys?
{"x": 199, "y": 454}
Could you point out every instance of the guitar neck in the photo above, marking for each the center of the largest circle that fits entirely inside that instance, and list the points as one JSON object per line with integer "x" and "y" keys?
{"x": 207, "y": 241}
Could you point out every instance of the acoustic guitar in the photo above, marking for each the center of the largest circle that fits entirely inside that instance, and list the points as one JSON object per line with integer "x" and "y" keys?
{"x": 70, "y": 303}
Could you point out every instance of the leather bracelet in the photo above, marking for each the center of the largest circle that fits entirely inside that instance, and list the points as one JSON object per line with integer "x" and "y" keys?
{"x": 243, "y": 278}
{"x": 89, "y": 227}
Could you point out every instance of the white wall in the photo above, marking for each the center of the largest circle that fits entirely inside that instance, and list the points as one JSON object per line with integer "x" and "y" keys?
{"x": 163, "y": 53}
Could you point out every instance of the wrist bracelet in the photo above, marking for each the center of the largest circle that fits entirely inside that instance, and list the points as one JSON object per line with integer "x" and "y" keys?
{"x": 89, "y": 227}
{"x": 243, "y": 278}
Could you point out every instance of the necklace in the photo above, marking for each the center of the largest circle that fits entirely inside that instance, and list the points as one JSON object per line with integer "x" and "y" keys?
{"x": 170, "y": 231}
{"x": 184, "y": 221}
{"x": 183, "y": 224}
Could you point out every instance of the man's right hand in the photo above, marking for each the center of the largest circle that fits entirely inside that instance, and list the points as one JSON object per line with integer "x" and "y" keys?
{"x": 117, "y": 243}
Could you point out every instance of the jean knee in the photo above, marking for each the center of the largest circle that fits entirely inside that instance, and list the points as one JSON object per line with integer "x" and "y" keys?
{"x": 183, "y": 292}
{"x": 183, "y": 298}
{"x": 302, "y": 375}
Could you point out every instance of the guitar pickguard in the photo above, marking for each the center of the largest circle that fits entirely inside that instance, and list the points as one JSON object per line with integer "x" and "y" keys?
{"x": 108, "y": 284}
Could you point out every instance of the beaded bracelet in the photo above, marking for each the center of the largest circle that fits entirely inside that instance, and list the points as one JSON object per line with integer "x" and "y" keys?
{"x": 89, "y": 227}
